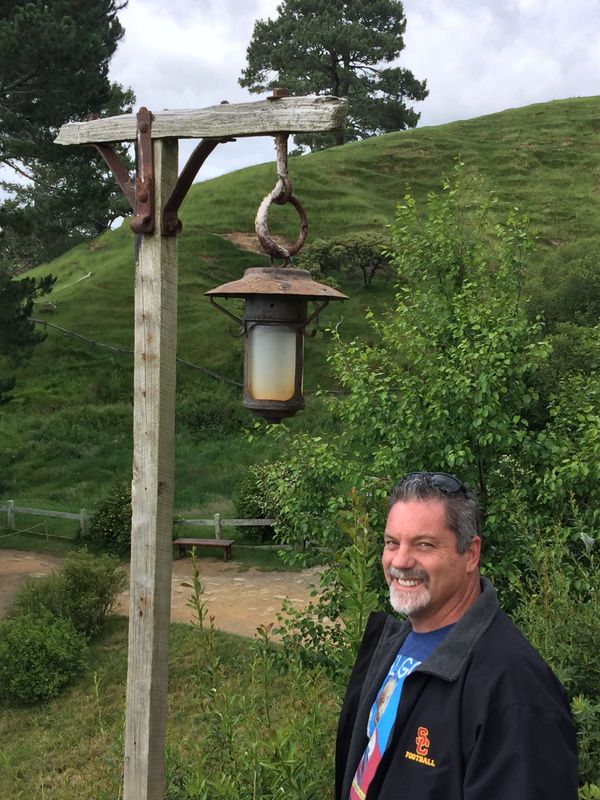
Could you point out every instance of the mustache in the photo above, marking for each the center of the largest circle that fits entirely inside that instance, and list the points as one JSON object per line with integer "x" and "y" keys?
{"x": 408, "y": 574}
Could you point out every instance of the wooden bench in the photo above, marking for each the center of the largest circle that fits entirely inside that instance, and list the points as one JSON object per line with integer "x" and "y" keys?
{"x": 224, "y": 544}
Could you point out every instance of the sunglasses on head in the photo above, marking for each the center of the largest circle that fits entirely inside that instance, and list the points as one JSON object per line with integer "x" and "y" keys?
{"x": 441, "y": 480}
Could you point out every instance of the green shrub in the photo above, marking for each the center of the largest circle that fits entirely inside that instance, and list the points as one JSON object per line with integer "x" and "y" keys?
{"x": 39, "y": 655}
{"x": 253, "y": 501}
{"x": 559, "y": 616}
{"x": 586, "y": 713}
{"x": 83, "y": 592}
{"x": 570, "y": 291}
{"x": 111, "y": 522}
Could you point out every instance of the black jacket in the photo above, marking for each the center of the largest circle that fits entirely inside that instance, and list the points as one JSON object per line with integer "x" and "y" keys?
{"x": 483, "y": 718}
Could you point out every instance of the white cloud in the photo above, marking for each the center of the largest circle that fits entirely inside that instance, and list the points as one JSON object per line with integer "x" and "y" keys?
{"x": 478, "y": 56}
{"x": 485, "y": 55}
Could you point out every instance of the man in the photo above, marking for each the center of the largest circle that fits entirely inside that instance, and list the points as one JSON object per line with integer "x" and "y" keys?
{"x": 453, "y": 704}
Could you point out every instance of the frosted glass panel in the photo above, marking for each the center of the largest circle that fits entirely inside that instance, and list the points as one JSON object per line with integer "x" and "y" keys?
{"x": 271, "y": 362}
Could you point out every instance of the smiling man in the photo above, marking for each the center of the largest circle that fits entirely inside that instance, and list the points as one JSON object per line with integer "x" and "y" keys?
{"x": 452, "y": 704}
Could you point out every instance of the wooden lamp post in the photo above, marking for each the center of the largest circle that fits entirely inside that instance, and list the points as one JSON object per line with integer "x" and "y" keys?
{"x": 155, "y": 197}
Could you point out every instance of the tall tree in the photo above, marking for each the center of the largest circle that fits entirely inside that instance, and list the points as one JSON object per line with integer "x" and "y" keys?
{"x": 54, "y": 59}
{"x": 338, "y": 47}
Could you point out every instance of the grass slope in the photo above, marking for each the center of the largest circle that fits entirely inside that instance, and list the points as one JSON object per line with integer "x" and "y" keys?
{"x": 67, "y": 434}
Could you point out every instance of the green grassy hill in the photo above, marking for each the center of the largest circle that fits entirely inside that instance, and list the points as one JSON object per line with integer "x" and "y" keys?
{"x": 67, "y": 435}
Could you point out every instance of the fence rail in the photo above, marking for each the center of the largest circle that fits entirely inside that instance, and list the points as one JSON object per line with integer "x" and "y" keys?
{"x": 10, "y": 509}
{"x": 218, "y": 523}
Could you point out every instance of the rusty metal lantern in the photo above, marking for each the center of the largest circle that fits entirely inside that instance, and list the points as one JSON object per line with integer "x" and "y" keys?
{"x": 276, "y": 311}
{"x": 274, "y": 322}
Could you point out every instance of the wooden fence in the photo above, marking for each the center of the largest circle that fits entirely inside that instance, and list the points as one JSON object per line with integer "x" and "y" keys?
{"x": 218, "y": 523}
{"x": 10, "y": 509}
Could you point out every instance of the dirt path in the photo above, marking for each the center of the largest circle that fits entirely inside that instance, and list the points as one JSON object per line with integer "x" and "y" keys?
{"x": 238, "y": 599}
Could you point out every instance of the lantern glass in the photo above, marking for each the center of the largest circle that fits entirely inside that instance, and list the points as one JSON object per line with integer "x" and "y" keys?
{"x": 271, "y": 362}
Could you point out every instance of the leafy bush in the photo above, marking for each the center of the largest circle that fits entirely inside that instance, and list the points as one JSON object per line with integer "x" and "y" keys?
{"x": 586, "y": 713}
{"x": 559, "y": 614}
{"x": 111, "y": 522}
{"x": 570, "y": 287}
{"x": 253, "y": 500}
{"x": 39, "y": 655}
{"x": 328, "y": 632}
{"x": 83, "y": 592}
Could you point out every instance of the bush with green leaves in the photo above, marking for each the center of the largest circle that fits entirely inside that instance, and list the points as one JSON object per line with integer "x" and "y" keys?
{"x": 328, "y": 632}
{"x": 83, "y": 592}
{"x": 253, "y": 500}
{"x": 111, "y": 521}
{"x": 569, "y": 290}
{"x": 39, "y": 655}
{"x": 558, "y": 613}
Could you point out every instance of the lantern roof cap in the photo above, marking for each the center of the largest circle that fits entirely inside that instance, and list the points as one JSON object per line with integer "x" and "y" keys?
{"x": 277, "y": 281}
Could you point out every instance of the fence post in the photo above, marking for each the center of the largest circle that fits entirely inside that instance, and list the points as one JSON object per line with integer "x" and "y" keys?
{"x": 217, "y": 526}
{"x": 83, "y": 524}
{"x": 10, "y": 515}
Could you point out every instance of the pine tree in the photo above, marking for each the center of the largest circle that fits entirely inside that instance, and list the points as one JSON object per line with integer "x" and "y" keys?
{"x": 54, "y": 59}
{"x": 343, "y": 48}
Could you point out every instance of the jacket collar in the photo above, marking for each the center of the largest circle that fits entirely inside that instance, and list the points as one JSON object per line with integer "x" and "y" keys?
{"x": 448, "y": 659}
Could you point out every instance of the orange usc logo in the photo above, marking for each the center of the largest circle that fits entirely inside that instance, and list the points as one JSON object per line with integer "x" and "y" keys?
{"x": 422, "y": 745}
{"x": 422, "y": 741}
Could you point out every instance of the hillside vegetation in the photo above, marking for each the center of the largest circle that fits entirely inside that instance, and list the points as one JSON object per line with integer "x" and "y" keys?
{"x": 67, "y": 434}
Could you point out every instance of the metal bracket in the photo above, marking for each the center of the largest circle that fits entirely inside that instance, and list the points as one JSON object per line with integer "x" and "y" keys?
{"x": 143, "y": 222}
{"x": 140, "y": 194}
{"x": 119, "y": 170}
{"x": 171, "y": 225}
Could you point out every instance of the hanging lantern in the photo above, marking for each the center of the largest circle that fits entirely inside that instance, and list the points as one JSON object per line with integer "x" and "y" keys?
{"x": 274, "y": 322}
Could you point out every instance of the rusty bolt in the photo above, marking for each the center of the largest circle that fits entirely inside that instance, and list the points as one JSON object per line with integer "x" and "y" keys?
{"x": 144, "y": 127}
{"x": 143, "y": 196}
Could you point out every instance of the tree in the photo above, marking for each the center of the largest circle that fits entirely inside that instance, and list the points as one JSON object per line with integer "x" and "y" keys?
{"x": 338, "y": 47}
{"x": 360, "y": 252}
{"x": 18, "y": 336}
{"x": 54, "y": 61}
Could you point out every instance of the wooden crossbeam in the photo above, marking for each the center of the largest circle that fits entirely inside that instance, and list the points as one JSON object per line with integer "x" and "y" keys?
{"x": 278, "y": 115}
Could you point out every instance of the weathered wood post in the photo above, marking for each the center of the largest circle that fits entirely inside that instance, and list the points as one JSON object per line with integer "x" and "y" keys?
{"x": 152, "y": 492}
{"x": 155, "y": 198}
{"x": 83, "y": 523}
{"x": 10, "y": 515}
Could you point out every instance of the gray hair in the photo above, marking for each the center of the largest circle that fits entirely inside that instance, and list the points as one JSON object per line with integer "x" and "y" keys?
{"x": 463, "y": 513}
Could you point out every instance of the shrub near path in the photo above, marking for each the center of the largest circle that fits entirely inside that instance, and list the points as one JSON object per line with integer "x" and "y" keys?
{"x": 240, "y": 599}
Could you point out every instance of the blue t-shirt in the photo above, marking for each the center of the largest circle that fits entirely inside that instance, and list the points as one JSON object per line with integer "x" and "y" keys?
{"x": 416, "y": 648}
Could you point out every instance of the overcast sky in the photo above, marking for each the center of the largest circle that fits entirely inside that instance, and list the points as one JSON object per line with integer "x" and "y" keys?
{"x": 478, "y": 56}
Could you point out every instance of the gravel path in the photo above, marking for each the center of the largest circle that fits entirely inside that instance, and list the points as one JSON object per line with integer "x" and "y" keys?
{"x": 239, "y": 600}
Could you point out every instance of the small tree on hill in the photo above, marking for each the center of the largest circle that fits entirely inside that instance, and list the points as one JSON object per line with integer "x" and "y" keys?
{"x": 343, "y": 48}
{"x": 360, "y": 253}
